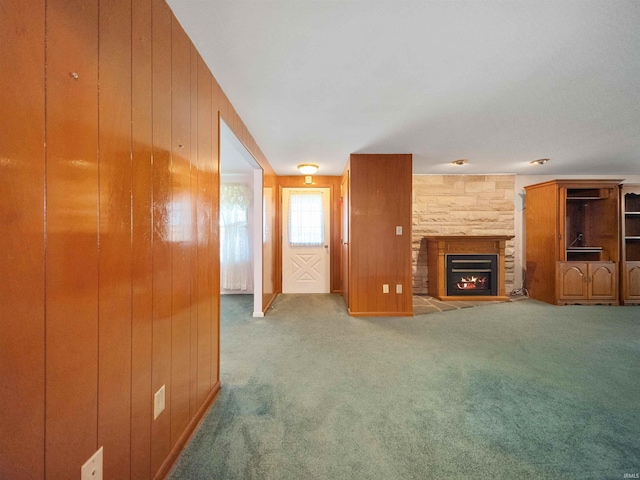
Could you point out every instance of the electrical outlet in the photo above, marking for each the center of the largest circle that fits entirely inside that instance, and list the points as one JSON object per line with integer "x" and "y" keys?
{"x": 158, "y": 402}
{"x": 399, "y": 288}
{"x": 385, "y": 288}
{"x": 92, "y": 469}
{"x": 399, "y": 230}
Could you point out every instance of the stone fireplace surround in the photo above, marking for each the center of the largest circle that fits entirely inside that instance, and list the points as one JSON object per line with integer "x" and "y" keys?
{"x": 461, "y": 205}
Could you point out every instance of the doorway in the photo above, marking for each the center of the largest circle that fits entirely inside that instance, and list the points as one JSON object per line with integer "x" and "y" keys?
{"x": 306, "y": 235}
{"x": 240, "y": 220}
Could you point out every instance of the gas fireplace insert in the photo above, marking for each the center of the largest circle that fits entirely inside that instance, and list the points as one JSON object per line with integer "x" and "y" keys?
{"x": 472, "y": 275}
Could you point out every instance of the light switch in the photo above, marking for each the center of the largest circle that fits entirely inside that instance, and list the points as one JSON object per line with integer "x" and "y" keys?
{"x": 399, "y": 230}
{"x": 385, "y": 288}
{"x": 399, "y": 288}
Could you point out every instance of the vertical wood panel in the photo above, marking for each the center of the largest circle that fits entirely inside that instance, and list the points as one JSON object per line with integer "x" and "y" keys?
{"x": 162, "y": 196}
{"x": 272, "y": 262}
{"x": 193, "y": 245}
{"x": 540, "y": 227}
{"x": 114, "y": 357}
{"x": 380, "y": 196}
{"x": 72, "y": 235}
{"x": 180, "y": 229}
{"x": 215, "y": 235}
{"x": 22, "y": 170}
{"x": 142, "y": 265}
{"x": 344, "y": 235}
{"x": 205, "y": 252}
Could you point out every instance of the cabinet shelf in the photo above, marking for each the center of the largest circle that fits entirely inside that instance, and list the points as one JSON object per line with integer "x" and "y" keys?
{"x": 587, "y": 193}
{"x": 630, "y": 268}
{"x": 584, "y": 254}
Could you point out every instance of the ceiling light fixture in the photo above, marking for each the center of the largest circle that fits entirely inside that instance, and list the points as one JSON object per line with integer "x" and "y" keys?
{"x": 308, "y": 168}
{"x": 462, "y": 161}
{"x": 540, "y": 161}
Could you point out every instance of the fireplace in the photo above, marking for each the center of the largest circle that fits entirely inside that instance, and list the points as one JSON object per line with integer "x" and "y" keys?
{"x": 467, "y": 267}
{"x": 472, "y": 275}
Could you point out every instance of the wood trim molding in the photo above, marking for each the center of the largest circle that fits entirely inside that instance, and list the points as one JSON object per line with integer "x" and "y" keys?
{"x": 382, "y": 314}
{"x": 195, "y": 422}
{"x": 439, "y": 246}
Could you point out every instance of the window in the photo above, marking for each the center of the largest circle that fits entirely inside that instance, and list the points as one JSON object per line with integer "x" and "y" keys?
{"x": 235, "y": 254}
{"x": 306, "y": 218}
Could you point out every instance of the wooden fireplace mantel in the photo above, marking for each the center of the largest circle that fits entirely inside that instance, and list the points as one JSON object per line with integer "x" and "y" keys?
{"x": 439, "y": 246}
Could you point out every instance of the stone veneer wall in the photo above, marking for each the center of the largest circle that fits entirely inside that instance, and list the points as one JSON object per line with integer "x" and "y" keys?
{"x": 461, "y": 205}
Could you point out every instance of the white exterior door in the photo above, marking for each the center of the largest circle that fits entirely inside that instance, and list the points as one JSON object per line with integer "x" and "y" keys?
{"x": 305, "y": 240}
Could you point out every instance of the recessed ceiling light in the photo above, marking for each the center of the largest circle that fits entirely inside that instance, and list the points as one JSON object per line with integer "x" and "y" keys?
{"x": 461, "y": 161}
{"x": 540, "y": 161}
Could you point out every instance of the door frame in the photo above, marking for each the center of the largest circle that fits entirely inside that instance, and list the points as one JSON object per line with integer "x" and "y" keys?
{"x": 319, "y": 181}
{"x": 229, "y": 145}
{"x": 317, "y": 254}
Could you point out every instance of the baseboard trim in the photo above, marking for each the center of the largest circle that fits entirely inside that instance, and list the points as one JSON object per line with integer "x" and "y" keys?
{"x": 175, "y": 452}
{"x": 266, "y": 307}
{"x": 380, "y": 314}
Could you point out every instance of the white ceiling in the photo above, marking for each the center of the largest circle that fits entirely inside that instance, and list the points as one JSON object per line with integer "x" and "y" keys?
{"x": 498, "y": 82}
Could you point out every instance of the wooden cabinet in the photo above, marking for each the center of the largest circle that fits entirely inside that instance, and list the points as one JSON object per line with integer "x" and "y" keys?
{"x": 630, "y": 244}
{"x": 586, "y": 282}
{"x": 572, "y": 241}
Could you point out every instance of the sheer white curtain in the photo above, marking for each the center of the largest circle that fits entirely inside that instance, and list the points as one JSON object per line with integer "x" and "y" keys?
{"x": 306, "y": 218}
{"x": 235, "y": 254}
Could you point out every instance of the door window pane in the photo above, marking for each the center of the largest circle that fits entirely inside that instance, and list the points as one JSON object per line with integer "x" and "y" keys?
{"x": 306, "y": 218}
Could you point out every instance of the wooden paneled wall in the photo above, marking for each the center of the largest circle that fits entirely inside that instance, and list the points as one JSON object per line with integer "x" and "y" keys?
{"x": 109, "y": 172}
{"x": 22, "y": 242}
{"x": 379, "y": 201}
{"x": 319, "y": 181}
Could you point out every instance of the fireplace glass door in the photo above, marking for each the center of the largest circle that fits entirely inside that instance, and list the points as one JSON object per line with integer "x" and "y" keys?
{"x": 472, "y": 275}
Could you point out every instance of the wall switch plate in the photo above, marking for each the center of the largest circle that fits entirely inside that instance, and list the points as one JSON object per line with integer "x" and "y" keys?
{"x": 385, "y": 288}
{"x": 399, "y": 230}
{"x": 158, "y": 402}
{"x": 92, "y": 469}
{"x": 399, "y": 288}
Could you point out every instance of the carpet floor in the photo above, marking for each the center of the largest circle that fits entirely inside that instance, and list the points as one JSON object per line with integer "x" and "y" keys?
{"x": 501, "y": 391}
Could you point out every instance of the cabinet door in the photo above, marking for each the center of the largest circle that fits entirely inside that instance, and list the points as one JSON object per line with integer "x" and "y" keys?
{"x": 602, "y": 281}
{"x": 632, "y": 282}
{"x": 571, "y": 280}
